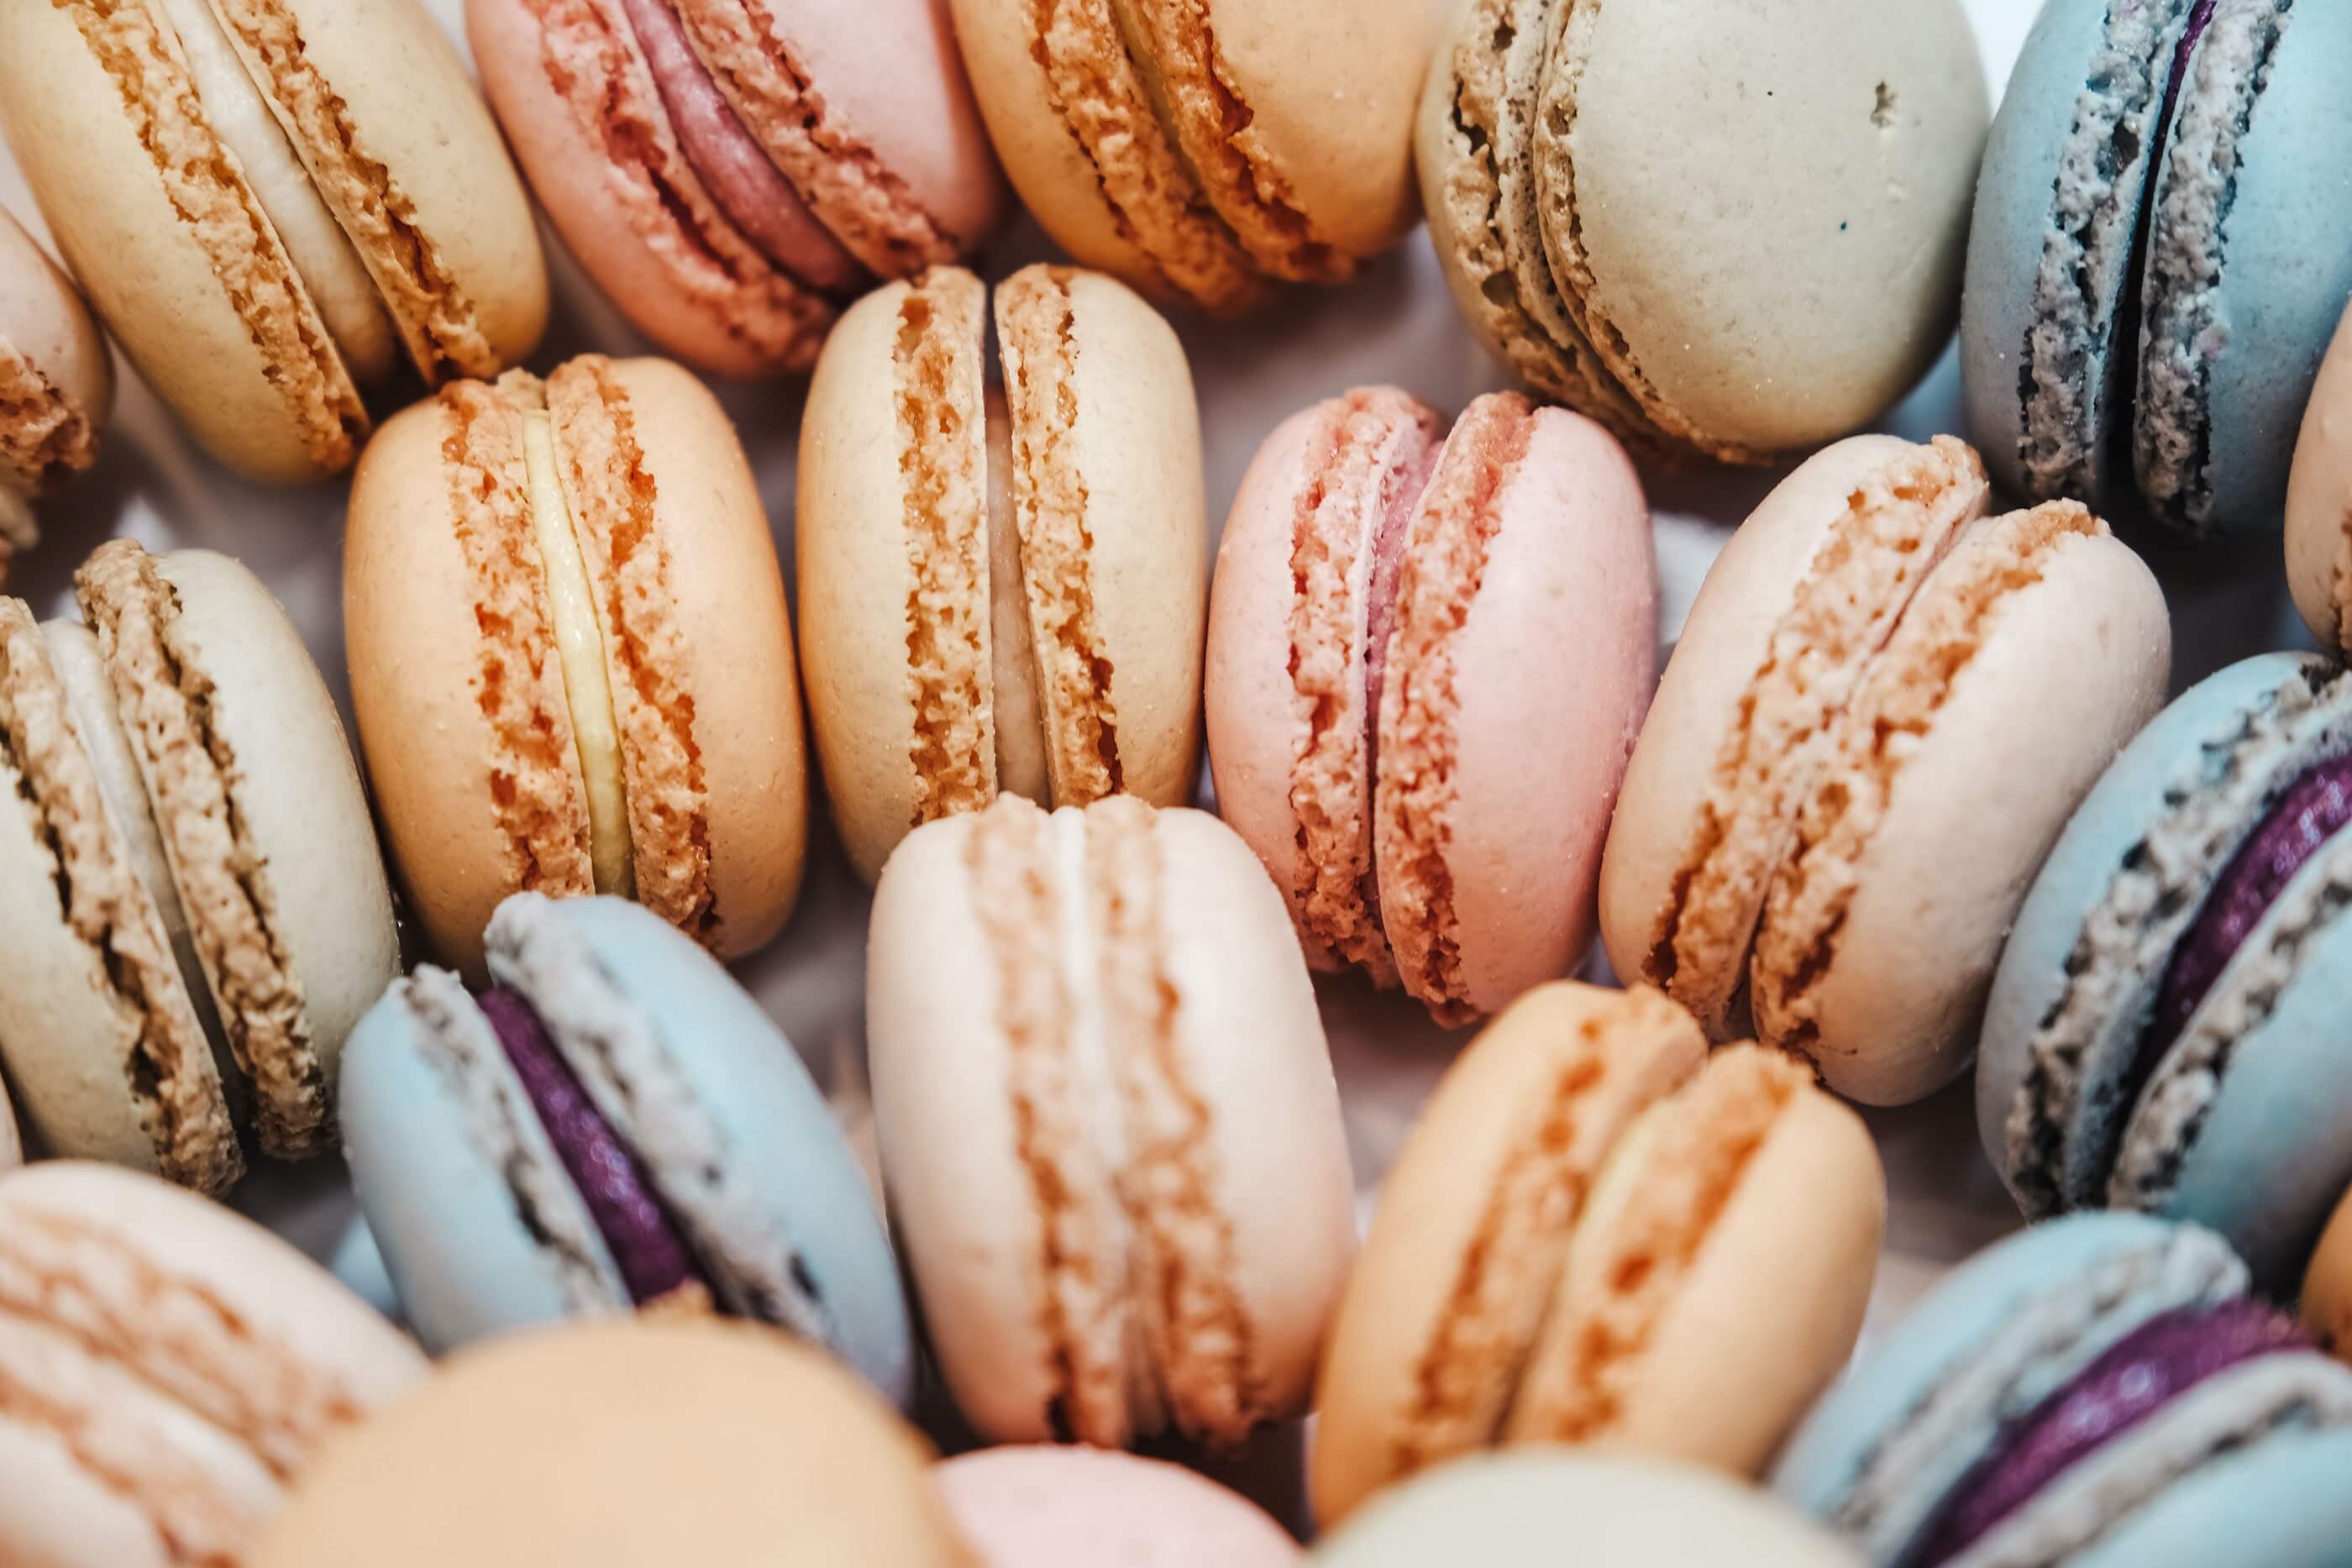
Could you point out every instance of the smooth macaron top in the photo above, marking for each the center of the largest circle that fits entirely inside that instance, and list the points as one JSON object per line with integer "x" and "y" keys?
{"x": 1067, "y": 1506}
{"x": 277, "y": 191}
{"x": 1095, "y": 1051}
{"x": 624, "y": 1443}
{"x": 2319, "y": 500}
{"x": 999, "y": 591}
{"x": 571, "y": 662}
{"x": 56, "y": 383}
{"x": 1201, "y": 152}
{"x": 1381, "y": 728}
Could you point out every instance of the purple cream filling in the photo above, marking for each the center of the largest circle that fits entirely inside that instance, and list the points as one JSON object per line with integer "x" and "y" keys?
{"x": 2138, "y": 1375}
{"x": 2200, "y": 17}
{"x": 744, "y": 181}
{"x": 652, "y": 1255}
{"x": 1400, "y": 493}
{"x": 2312, "y": 810}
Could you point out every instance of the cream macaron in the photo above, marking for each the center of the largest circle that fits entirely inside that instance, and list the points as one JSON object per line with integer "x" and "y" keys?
{"x": 2319, "y": 500}
{"x": 1000, "y": 590}
{"x": 56, "y": 385}
{"x": 570, "y": 660}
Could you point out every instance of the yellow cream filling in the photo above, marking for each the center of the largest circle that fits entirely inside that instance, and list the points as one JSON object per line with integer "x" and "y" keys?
{"x": 580, "y": 647}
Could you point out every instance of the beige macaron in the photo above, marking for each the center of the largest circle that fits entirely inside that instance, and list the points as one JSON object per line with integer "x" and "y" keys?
{"x": 1204, "y": 149}
{"x": 56, "y": 385}
{"x": 569, "y": 655}
{"x": 999, "y": 591}
{"x": 269, "y": 201}
{"x": 1598, "y": 1234}
{"x": 2319, "y": 500}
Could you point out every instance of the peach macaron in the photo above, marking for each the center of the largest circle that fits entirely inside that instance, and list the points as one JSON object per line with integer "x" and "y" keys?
{"x": 1428, "y": 655}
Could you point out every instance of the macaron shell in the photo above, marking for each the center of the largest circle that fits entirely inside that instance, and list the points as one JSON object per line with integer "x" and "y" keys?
{"x": 2319, "y": 499}
{"x": 156, "y": 287}
{"x": 44, "y": 320}
{"x": 1974, "y": 805}
{"x": 2324, "y": 1303}
{"x": 1057, "y": 1507}
{"x": 1569, "y": 585}
{"x": 2278, "y": 1502}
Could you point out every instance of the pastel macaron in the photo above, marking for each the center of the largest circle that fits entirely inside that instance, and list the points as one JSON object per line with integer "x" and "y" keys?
{"x": 999, "y": 589}
{"x": 1857, "y": 758}
{"x": 614, "y": 1125}
{"x": 570, "y": 660}
{"x": 190, "y": 887}
{"x": 1429, "y": 652}
{"x": 56, "y": 385}
{"x": 172, "y": 1367}
{"x": 617, "y": 1444}
{"x": 1598, "y": 1234}
{"x": 272, "y": 203}
{"x": 2152, "y": 270}
{"x": 2097, "y": 1391}
{"x": 1095, "y": 1054}
{"x": 1065, "y": 1506}
{"x": 1766, "y": 266}
{"x": 1204, "y": 151}
{"x": 2164, "y": 1030}
{"x": 2319, "y": 500}
{"x": 732, "y": 171}
{"x": 1535, "y": 1508}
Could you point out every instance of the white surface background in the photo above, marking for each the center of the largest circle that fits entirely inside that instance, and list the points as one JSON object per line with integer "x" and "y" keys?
{"x": 1397, "y": 325}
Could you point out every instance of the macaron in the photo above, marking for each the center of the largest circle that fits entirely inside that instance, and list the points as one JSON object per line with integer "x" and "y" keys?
{"x": 188, "y": 872}
{"x": 1000, "y": 590}
{"x": 272, "y": 202}
{"x": 1429, "y": 652}
{"x": 614, "y": 1445}
{"x": 2099, "y": 1390}
{"x": 2325, "y": 1303}
{"x": 2164, "y": 1031}
{"x": 2319, "y": 500}
{"x": 614, "y": 1125}
{"x": 170, "y": 1368}
{"x": 1597, "y": 1233}
{"x": 1535, "y": 1508}
{"x": 1857, "y": 758}
{"x": 1054, "y": 1506}
{"x": 2152, "y": 267}
{"x": 570, "y": 660}
{"x": 1205, "y": 150}
{"x": 1108, "y": 1124}
{"x": 56, "y": 385}
{"x": 1723, "y": 232}
{"x": 732, "y": 171}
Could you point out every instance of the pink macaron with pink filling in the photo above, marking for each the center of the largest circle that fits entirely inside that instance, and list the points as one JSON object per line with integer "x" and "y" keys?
{"x": 1428, "y": 655}
{"x": 1050, "y": 1506}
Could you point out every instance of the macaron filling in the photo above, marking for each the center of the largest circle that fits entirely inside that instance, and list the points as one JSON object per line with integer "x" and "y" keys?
{"x": 2200, "y": 17}
{"x": 2141, "y": 1374}
{"x": 652, "y": 1255}
{"x": 1401, "y": 486}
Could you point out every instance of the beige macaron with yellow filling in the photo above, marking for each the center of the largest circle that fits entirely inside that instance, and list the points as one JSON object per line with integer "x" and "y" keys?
{"x": 1000, "y": 590}
{"x": 570, "y": 659}
{"x": 1598, "y": 1234}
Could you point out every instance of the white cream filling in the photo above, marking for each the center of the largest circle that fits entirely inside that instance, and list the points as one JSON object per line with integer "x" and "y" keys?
{"x": 332, "y": 271}
{"x": 580, "y": 648}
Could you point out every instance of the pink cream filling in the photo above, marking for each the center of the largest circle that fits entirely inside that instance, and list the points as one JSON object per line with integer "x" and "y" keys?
{"x": 742, "y": 179}
{"x": 1402, "y": 484}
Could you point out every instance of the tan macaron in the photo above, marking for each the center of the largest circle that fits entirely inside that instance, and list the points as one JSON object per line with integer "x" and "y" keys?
{"x": 999, "y": 591}
{"x": 56, "y": 385}
{"x": 1598, "y": 1234}
{"x": 569, "y": 655}
{"x": 269, "y": 201}
{"x": 2319, "y": 500}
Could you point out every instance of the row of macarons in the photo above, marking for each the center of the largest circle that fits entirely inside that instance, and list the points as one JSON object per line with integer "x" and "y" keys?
{"x": 272, "y": 201}
{"x": 1094, "y": 1051}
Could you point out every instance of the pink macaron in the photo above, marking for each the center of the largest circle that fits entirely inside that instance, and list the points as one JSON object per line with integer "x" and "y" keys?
{"x": 730, "y": 172}
{"x": 1428, "y": 655}
{"x": 1048, "y": 1506}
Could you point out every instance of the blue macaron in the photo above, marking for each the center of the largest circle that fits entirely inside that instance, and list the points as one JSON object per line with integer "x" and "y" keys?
{"x": 2156, "y": 261}
{"x": 2170, "y": 1024}
{"x": 614, "y": 1125}
{"x": 2073, "y": 1391}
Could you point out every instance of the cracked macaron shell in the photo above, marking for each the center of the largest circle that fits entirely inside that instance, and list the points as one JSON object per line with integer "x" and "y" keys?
{"x": 471, "y": 812}
{"x": 1262, "y": 1115}
{"x": 56, "y": 378}
{"x": 714, "y": 1443}
{"x": 1825, "y": 215}
{"x": 208, "y": 1358}
{"x": 2319, "y": 500}
{"x": 1134, "y": 448}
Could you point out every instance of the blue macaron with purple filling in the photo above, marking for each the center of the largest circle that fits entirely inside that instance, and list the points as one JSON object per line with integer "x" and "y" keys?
{"x": 2170, "y": 1024}
{"x": 615, "y": 1124}
{"x": 2156, "y": 261}
{"x": 2100, "y": 1389}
